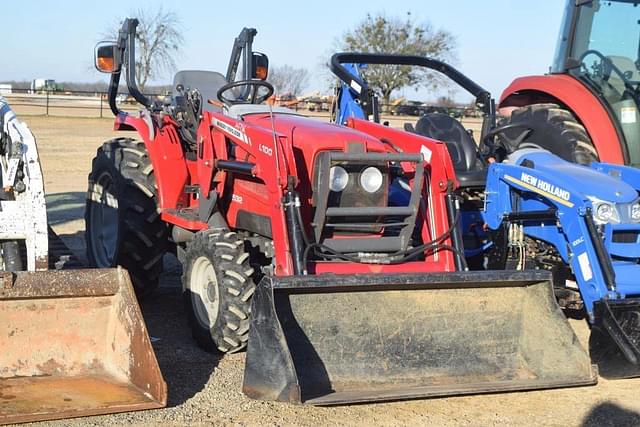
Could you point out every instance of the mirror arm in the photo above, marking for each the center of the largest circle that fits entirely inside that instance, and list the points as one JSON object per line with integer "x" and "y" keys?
{"x": 113, "y": 92}
{"x": 129, "y": 27}
{"x": 114, "y": 82}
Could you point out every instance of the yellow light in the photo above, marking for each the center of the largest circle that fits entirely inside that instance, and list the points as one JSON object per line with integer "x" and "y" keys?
{"x": 261, "y": 73}
{"x": 106, "y": 64}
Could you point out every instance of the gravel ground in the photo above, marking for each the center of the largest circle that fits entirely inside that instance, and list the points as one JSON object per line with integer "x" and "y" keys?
{"x": 206, "y": 390}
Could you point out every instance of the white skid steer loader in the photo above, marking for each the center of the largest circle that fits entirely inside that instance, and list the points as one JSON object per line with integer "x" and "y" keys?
{"x": 72, "y": 342}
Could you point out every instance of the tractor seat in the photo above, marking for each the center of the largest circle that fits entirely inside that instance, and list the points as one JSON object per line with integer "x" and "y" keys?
{"x": 461, "y": 146}
{"x": 207, "y": 82}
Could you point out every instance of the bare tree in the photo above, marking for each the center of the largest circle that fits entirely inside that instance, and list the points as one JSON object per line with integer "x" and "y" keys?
{"x": 380, "y": 34}
{"x": 159, "y": 40}
{"x": 288, "y": 79}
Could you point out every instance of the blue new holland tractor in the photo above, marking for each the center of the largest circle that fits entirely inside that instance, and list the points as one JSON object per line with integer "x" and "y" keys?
{"x": 523, "y": 207}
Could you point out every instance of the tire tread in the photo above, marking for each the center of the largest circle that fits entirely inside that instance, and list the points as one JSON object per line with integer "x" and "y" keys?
{"x": 230, "y": 330}
{"x": 143, "y": 236}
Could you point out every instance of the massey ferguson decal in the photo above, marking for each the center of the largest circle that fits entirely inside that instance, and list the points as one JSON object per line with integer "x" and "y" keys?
{"x": 231, "y": 130}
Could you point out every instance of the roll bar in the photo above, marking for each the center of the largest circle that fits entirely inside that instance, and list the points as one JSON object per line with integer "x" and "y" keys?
{"x": 243, "y": 44}
{"x": 126, "y": 56}
{"x": 483, "y": 97}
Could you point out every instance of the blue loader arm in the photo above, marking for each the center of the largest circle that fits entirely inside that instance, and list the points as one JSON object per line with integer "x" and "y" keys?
{"x": 348, "y": 99}
{"x": 570, "y": 232}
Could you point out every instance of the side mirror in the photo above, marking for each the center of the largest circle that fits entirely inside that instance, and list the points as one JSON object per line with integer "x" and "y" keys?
{"x": 260, "y": 66}
{"x": 106, "y": 58}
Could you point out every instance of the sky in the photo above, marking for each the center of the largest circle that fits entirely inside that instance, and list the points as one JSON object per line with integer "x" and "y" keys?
{"x": 497, "y": 40}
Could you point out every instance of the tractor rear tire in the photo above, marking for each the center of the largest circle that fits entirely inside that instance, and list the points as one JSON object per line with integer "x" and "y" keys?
{"x": 123, "y": 226}
{"x": 218, "y": 286}
{"x": 552, "y": 128}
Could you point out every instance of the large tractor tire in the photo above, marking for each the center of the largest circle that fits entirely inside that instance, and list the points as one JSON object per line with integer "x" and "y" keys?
{"x": 123, "y": 226}
{"x": 218, "y": 285}
{"x": 552, "y": 128}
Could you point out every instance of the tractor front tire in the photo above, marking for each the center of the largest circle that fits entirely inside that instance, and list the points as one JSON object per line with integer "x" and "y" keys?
{"x": 123, "y": 226}
{"x": 218, "y": 285}
{"x": 552, "y": 128}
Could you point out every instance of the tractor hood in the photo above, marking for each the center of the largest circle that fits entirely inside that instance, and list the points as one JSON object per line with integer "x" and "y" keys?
{"x": 313, "y": 136}
{"x": 577, "y": 179}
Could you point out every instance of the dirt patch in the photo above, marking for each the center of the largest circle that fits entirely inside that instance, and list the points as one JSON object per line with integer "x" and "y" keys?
{"x": 205, "y": 390}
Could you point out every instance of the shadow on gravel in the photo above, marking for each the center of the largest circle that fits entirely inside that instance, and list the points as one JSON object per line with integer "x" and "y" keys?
{"x": 185, "y": 367}
{"x": 610, "y": 414}
{"x": 65, "y": 207}
{"x": 62, "y": 210}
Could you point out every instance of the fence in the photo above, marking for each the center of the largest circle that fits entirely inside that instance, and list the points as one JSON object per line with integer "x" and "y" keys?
{"x": 95, "y": 104}
{"x": 63, "y": 103}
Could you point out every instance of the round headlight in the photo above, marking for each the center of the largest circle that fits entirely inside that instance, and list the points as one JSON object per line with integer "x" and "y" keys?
{"x": 371, "y": 179}
{"x": 338, "y": 178}
{"x": 604, "y": 212}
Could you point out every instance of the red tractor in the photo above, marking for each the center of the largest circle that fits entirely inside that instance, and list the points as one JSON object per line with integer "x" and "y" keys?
{"x": 288, "y": 241}
{"x": 586, "y": 108}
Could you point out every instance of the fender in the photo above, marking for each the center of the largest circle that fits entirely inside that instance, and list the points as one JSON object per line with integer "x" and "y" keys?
{"x": 584, "y": 105}
{"x": 125, "y": 121}
{"x": 163, "y": 145}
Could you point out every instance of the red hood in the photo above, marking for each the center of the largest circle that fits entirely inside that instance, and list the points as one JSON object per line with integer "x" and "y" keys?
{"x": 312, "y": 136}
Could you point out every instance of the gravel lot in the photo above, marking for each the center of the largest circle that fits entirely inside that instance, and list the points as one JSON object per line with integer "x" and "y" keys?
{"x": 205, "y": 390}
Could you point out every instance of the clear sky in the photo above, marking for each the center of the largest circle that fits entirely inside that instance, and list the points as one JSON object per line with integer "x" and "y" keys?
{"x": 497, "y": 39}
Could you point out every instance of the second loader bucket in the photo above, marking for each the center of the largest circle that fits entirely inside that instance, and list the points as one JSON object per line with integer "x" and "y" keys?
{"x": 73, "y": 343}
{"x": 337, "y": 339}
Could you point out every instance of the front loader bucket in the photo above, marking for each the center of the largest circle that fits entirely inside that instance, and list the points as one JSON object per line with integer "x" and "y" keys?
{"x": 337, "y": 339}
{"x": 614, "y": 343}
{"x": 73, "y": 343}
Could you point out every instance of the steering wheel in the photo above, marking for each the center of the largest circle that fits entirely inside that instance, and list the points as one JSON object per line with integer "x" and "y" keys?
{"x": 608, "y": 66}
{"x": 490, "y": 148}
{"x": 251, "y": 98}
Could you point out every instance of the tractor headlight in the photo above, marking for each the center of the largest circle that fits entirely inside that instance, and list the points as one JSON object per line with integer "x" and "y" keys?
{"x": 635, "y": 212}
{"x": 371, "y": 179}
{"x": 604, "y": 212}
{"x": 338, "y": 179}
